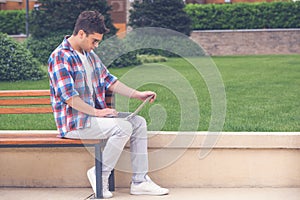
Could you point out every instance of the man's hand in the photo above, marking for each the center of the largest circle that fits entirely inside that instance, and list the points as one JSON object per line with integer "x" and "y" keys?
{"x": 144, "y": 95}
{"x": 77, "y": 103}
{"x": 106, "y": 112}
{"x": 122, "y": 89}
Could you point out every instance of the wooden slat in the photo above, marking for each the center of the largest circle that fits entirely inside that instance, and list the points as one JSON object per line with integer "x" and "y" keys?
{"x": 36, "y": 101}
{"x": 24, "y": 93}
{"x": 39, "y": 101}
{"x": 40, "y": 139}
{"x": 27, "y": 110}
{"x": 33, "y": 138}
{"x": 16, "y": 134}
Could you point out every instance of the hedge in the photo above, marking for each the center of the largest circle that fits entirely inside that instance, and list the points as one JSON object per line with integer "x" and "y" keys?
{"x": 42, "y": 48}
{"x": 16, "y": 62}
{"x": 244, "y": 15}
{"x": 168, "y": 14}
{"x": 12, "y": 21}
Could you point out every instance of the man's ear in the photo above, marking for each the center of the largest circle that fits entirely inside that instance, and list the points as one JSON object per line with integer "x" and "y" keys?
{"x": 81, "y": 34}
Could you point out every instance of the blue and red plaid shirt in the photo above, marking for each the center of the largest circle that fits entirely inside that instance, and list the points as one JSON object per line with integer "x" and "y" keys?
{"x": 67, "y": 79}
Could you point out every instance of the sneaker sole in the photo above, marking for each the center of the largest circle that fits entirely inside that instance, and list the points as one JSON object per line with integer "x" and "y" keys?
{"x": 149, "y": 193}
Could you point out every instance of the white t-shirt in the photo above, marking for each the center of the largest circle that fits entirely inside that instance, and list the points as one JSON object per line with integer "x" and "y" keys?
{"x": 88, "y": 69}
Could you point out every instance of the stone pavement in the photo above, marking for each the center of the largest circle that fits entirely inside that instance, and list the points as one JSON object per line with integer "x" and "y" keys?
{"x": 175, "y": 194}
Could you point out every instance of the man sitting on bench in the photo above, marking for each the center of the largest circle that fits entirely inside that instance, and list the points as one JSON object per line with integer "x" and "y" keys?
{"x": 78, "y": 81}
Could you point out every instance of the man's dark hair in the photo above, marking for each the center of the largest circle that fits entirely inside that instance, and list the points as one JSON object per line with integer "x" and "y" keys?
{"x": 90, "y": 22}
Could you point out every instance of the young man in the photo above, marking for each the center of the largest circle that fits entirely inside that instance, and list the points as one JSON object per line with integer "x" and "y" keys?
{"x": 78, "y": 81}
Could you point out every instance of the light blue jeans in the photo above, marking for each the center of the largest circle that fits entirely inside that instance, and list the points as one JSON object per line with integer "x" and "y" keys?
{"x": 118, "y": 131}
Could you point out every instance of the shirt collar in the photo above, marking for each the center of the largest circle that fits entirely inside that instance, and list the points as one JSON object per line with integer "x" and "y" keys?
{"x": 66, "y": 44}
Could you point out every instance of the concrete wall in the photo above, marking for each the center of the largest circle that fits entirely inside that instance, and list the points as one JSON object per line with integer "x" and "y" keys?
{"x": 237, "y": 160}
{"x": 19, "y": 38}
{"x": 249, "y": 42}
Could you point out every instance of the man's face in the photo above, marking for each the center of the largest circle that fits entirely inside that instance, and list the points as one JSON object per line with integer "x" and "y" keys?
{"x": 91, "y": 41}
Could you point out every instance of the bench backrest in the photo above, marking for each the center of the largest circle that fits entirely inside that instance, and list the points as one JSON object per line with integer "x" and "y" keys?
{"x": 32, "y": 101}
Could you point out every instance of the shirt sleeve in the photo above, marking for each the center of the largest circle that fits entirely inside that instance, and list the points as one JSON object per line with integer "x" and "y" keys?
{"x": 60, "y": 77}
{"x": 110, "y": 79}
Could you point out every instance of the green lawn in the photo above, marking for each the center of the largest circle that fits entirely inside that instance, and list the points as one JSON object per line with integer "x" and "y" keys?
{"x": 262, "y": 94}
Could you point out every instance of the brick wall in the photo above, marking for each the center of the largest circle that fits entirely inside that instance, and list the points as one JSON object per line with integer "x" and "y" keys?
{"x": 16, "y": 4}
{"x": 118, "y": 12}
{"x": 249, "y": 42}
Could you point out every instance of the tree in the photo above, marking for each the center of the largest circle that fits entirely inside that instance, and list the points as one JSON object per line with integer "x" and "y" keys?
{"x": 59, "y": 16}
{"x": 56, "y": 18}
{"x": 160, "y": 13}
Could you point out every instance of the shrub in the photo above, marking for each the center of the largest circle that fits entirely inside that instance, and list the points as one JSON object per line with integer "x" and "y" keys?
{"x": 244, "y": 15}
{"x": 114, "y": 52}
{"x": 151, "y": 58}
{"x": 168, "y": 14}
{"x": 126, "y": 60}
{"x": 16, "y": 62}
{"x": 12, "y": 21}
{"x": 164, "y": 42}
{"x": 41, "y": 48}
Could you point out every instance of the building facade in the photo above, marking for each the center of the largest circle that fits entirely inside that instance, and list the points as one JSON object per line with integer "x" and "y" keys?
{"x": 16, "y": 4}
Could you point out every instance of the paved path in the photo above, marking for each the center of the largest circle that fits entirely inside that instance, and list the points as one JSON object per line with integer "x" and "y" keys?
{"x": 175, "y": 194}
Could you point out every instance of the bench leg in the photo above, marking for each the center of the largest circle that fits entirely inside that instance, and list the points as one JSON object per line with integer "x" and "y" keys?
{"x": 98, "y": 163}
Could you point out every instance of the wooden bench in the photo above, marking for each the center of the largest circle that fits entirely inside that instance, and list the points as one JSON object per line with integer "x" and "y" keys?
{"x": 13, "y": 102}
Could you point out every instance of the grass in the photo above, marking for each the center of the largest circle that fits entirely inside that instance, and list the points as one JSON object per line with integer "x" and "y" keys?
{"x": 262, "y": 94}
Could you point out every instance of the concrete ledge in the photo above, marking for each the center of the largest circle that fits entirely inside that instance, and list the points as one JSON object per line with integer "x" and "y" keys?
{"x": 228, "y": 159}
{"x": 225, "y": 140}
{"x": 255, "y": 159}
{"x": 19, "y": 38}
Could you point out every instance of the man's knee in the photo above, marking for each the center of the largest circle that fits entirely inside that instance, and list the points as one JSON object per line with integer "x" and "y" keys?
{"x": 124, "y": 128}
{"x": 140, "y": 127}
{"x": 140, "y": 121}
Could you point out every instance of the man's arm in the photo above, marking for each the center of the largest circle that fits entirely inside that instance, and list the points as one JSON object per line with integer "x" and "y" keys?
{"x": 124, "y": 90}
{"x": 77, "y": 103}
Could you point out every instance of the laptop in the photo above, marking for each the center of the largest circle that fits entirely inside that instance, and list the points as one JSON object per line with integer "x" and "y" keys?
{"x": 128, "y": 117}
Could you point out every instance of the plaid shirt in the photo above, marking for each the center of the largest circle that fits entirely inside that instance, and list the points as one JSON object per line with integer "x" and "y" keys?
{"x": 67, "y": 79}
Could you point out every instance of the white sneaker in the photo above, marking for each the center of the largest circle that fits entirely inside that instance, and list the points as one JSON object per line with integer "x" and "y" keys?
{"x": 92, "y": 178}
{"x": 148, "y": 187}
